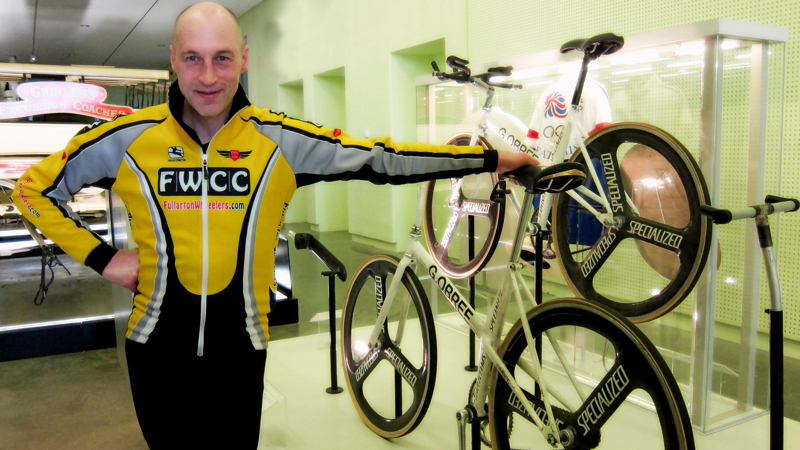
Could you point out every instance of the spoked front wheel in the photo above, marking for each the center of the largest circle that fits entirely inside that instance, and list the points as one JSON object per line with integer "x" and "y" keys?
{"x": 593, "y": 360}
{"x": 390, "y": 383}
{"x": 449, "y": 204}
{"x": 644, "y": 255}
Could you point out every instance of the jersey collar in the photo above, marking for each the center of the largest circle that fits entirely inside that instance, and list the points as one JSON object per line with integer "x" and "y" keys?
{"x": 175, "y": 102}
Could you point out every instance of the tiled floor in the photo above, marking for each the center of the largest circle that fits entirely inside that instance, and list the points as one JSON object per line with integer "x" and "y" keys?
{"x": 82, "y": 400}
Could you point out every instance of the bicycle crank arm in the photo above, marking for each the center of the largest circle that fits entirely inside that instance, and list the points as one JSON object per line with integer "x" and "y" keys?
{"x": 463, "y": 417}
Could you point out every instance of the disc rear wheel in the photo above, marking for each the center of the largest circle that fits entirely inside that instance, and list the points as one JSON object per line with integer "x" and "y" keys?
{"x": 644, "y": 256}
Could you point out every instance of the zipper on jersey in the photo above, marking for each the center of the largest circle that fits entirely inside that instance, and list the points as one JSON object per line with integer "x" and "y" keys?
{"x": 204, "y": 285}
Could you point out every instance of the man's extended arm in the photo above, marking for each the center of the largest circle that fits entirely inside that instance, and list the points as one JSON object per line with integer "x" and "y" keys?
{"x": 325, "y": 154}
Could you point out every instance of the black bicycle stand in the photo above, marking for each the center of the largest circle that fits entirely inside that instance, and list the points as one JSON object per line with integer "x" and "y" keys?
{"x": 471, "y": 367}
{"x": 761, "y": 213}
{"x": 306, "y": 241}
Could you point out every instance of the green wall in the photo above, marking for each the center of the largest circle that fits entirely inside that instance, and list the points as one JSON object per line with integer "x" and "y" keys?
{"x": 380, "y": 43}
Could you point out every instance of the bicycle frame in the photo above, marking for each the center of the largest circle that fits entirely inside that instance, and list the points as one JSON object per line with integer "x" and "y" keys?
{"x": 511, "y": 131}
{"x": 490, "y": 331}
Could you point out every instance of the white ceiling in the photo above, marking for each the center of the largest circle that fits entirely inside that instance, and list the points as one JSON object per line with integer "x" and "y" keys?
{"x": 131, "y": 34}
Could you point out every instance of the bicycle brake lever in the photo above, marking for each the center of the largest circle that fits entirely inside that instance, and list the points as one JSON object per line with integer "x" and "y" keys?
{"x": 435, "y": 66}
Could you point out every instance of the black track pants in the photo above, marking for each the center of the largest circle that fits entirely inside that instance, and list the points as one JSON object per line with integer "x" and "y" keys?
{"x": 186, "y": 401}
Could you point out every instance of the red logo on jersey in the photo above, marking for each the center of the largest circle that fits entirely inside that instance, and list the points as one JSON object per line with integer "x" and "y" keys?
{"x": 234, "y": 154}
{"x": 337, "y": 132}
{"x": 64, "y": 156}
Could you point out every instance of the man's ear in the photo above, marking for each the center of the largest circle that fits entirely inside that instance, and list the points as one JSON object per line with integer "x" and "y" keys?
{"x": 172, "y": 57}
{"x": 245, "y": 58}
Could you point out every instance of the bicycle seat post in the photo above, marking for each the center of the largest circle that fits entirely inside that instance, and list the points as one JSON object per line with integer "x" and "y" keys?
{"x": 576, "y": 96}
{"x": 522, "y": 232}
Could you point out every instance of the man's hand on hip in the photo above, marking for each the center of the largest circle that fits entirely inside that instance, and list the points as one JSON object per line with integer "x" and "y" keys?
{"x": 123, "y": 269}
{"x": 508, "y": 161}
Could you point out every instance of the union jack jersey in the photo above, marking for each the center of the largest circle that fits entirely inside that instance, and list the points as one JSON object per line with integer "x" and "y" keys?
{"x": 551, "y": 111}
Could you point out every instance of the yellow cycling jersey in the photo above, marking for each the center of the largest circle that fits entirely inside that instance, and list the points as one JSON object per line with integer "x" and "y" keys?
{"x": 207, "y": 217}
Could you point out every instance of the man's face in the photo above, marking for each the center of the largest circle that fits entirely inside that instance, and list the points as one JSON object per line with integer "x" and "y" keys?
{"x": 208, "y": 60}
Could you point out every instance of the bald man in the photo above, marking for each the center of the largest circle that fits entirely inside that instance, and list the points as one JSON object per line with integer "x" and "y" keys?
{"x": 206, "y": 179}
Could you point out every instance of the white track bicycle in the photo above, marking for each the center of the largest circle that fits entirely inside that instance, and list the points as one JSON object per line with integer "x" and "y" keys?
{"x": 559, "y": 376}
{"x": 639, "y": 208}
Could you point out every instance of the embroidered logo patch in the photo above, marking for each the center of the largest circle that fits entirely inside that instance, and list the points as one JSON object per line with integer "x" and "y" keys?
{"x": 175, "y": 152}
{"x": 234, "y": 154}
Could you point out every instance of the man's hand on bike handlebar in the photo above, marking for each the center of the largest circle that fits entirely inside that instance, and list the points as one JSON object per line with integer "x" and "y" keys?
{"x": 123, "y": 269}
{"x": 508, "y": 161}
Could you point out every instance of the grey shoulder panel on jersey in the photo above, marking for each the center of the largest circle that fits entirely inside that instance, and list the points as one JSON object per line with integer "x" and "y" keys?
{"x": 96, "y": 160}
{"x": 318, "y": 155}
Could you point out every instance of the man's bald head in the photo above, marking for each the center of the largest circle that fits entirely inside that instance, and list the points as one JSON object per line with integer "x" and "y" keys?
{"x": 208, "y": 11}
{"x": 209, "y": 56}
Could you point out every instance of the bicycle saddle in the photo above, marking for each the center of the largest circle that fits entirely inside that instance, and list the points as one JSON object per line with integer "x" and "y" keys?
{"x": 595, "y": 47}
{"x": 554, "y": 179}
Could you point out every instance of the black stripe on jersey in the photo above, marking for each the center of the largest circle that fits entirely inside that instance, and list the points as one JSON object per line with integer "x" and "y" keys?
{"x": 104, "y": 183}
{"x": 261, "y": 122}
{"x": 80, "y": 149}
{"x": 368, "y": 174}
{"x": 281, "y": 113}
{"x": 327, "y": 139}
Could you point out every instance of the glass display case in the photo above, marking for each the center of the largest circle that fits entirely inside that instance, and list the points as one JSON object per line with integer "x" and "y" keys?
{"x": 717, "y": 87}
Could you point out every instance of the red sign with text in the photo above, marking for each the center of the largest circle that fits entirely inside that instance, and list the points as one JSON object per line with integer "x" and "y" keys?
{"x": 47, "y": 97}
{"x": 14, "y": 170}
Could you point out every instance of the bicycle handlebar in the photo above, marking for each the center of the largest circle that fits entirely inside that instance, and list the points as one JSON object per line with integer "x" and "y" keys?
{"x": 304, "y": 241}
{"x": 462, "y": 74}
{"x": 773, "y": 204}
